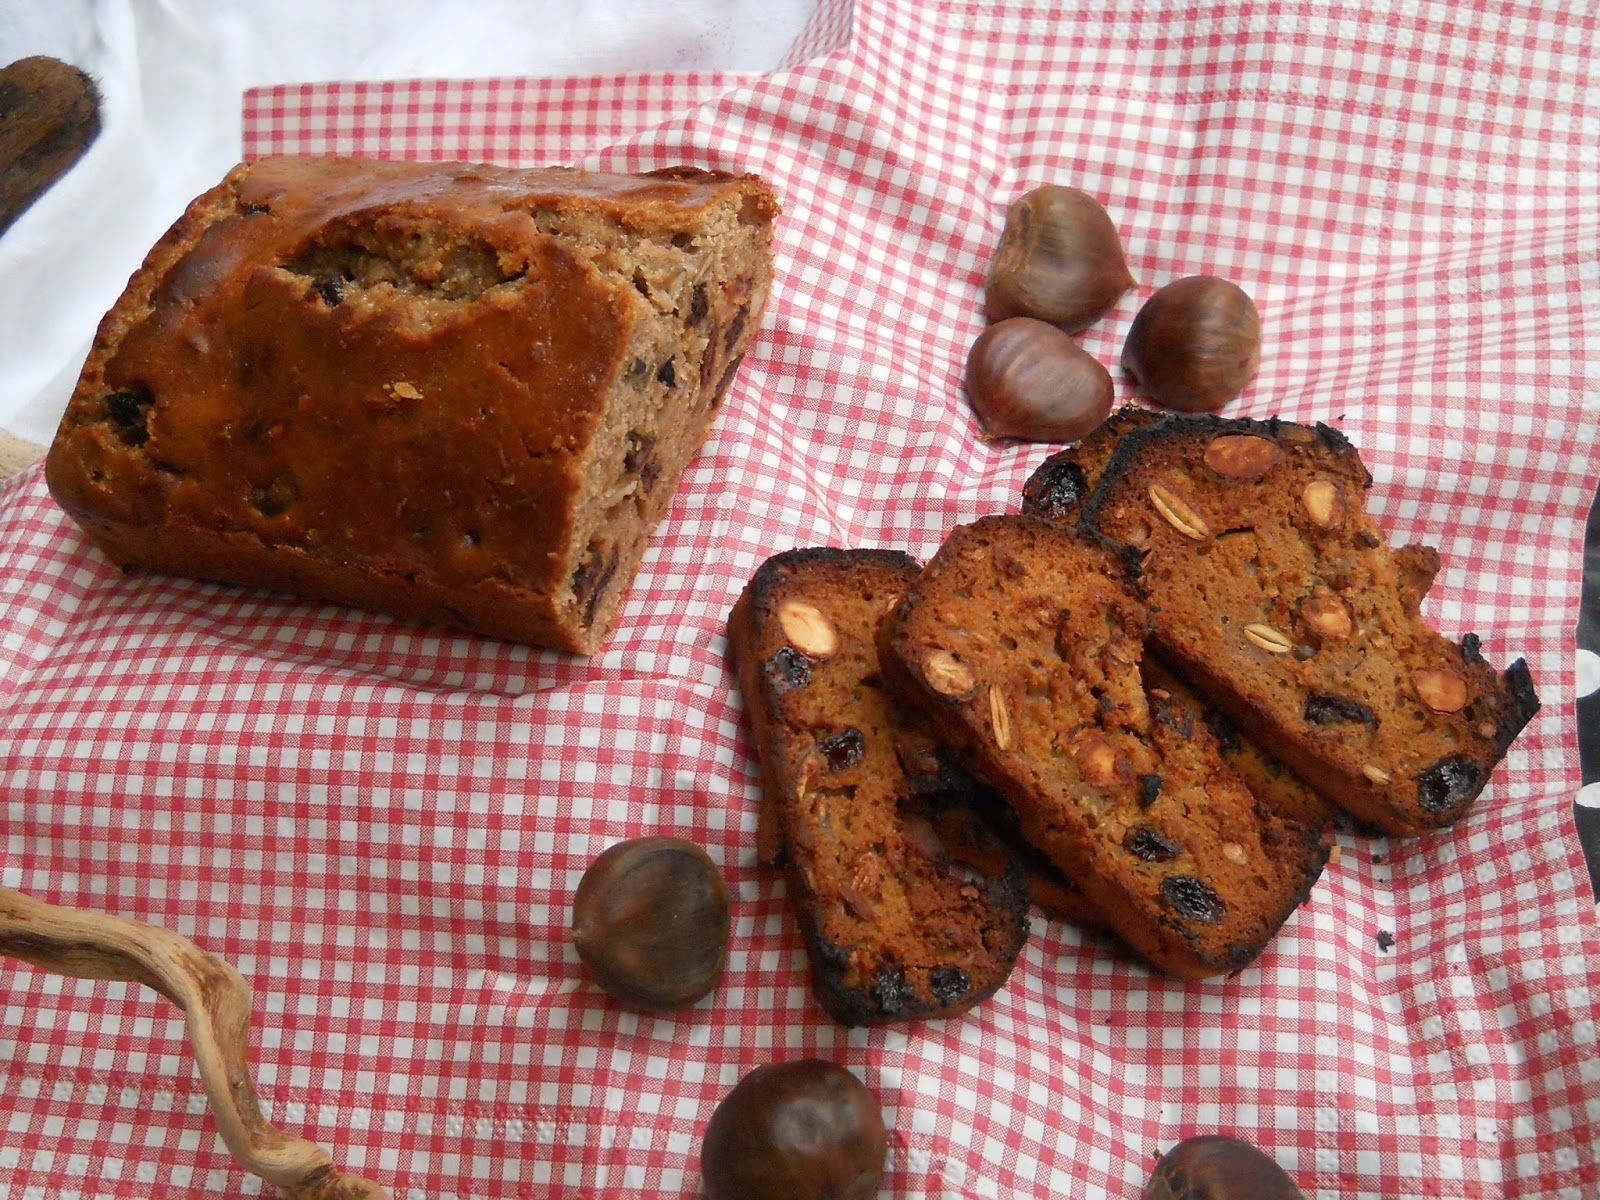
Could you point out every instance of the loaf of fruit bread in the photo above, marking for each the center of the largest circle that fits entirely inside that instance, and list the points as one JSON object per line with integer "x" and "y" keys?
{"x": 1022, "y": 641}
{"x": 458, "y": 393}
{"x": 894, "y": 928}
{"x": 1274, "y": 596}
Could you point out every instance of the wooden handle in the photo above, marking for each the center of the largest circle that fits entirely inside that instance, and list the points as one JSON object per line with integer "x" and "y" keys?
{"x": 216, "y": 1005}
{"x": 49, "y": 113}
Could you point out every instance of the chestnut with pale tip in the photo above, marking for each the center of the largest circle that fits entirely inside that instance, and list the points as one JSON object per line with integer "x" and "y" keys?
{"x": 1060, "y": 260}
{"x": 801, "y": 1130}
{"x": 1217, "y": 1167}
{"x": 1195, "y": 344}
{"x": 651, "y": 924}
{"x": 1030, "y": 381}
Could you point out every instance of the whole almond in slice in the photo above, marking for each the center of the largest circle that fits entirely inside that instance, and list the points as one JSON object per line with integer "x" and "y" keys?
{"x": 1377, "y": 774}
{"x": 1096, "y": 760}
{"x": 1325, "y": 615}
{"x": 1441, "y": 690}
{"x": 807, "y": 629}
{"x": 1323, "y": 503}
{"x": 1242, "y": 455}
{"x": 947, "y": 674}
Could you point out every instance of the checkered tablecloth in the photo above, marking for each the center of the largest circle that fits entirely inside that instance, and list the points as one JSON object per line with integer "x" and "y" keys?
{"x": 382, "y": 825}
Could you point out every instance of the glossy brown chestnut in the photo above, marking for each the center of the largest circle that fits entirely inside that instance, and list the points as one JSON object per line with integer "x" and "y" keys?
{"x": 1060, "y": 260}
{"x": 803, "y": 1130}
{"x": 1026, "y": 379}
{"x": 650, "y": 922}
{"x": 1195, "y": 344}
{"x": 1215, "y": 1167}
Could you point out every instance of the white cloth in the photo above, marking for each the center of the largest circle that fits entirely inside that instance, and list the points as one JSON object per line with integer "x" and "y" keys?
{"x": 172, "y": 74}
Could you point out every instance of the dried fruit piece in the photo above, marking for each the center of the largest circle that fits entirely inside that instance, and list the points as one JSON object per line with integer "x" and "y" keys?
{"x": 807, "y": 629}
{"x": 1441, "y": 689}
{"x": 1177, "y": 513}
{"x": 844, "y": 749}
{"x": 1059, "y": 260}
{"x": 1242, "y": 455}
{"x": 1192, "y": 899}
{"x": 947, "y": 674}
{"x": 1451, "y": 781}
{"x": 1148, "y": 845}
{"x": 1059, "y": 489}
{"x": 949, "y": 984}
{"x": 1195, "y": 344}
{"x": 1322, "y": 709}
{"x": 788, "y": 668}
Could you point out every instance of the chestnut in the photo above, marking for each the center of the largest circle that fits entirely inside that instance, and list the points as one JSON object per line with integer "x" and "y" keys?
{"x": 650, "y": 922}
{"x": 801, "y": 1130}
{"x": 1216, "y": 1167}
{"x": 1195, "y": 344}
{"x": 1027, "y": 379}
{"x": 1060, "y": 260}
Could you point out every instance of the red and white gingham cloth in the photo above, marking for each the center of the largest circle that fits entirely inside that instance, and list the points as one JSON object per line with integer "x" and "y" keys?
{"x": 382, "y": 825}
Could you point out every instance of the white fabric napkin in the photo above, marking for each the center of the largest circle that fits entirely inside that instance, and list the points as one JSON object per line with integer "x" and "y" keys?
{"x": 172, "y": 73}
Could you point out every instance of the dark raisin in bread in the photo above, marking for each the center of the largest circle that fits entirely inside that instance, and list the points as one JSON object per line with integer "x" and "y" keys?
{"x": 458, "y": 393}
{"x": 1060, "y": 485}
{"x": 1274, "y": 596}
{"x": 1022, "y": 641}
{"x": 894, "y": 928}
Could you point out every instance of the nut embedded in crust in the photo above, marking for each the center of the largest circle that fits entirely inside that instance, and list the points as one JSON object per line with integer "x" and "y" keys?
{"x": 1323, "y": 505}
{"x": 1441, "y": 690}
{"x": 1326, "y": 616}
{"x": 1242, "y": 455}
{"x": 807, "y": 630}
{"x": 947, "y": 674}
{"x": 1096, "y": 759}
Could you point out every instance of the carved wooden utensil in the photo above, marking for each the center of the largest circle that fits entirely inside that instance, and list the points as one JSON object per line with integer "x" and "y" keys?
{"x": 49, "y": 113}
{"x": 216, "y": 1004}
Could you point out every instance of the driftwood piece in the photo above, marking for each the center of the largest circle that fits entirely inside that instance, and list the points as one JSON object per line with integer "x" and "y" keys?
{"x": 49, "y": 115}
{"x": 216, "y": 1004}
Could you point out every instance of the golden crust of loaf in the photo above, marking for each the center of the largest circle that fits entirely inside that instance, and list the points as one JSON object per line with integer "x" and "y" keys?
{"x": 455, "y": 392}
{"x": 894, "y": 928}
{"x": 1022, "y": 641}
{"x": 1274, "y": 596}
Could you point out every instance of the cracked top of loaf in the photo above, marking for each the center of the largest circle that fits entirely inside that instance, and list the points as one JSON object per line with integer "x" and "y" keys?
{"x": 456, "y": 392}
